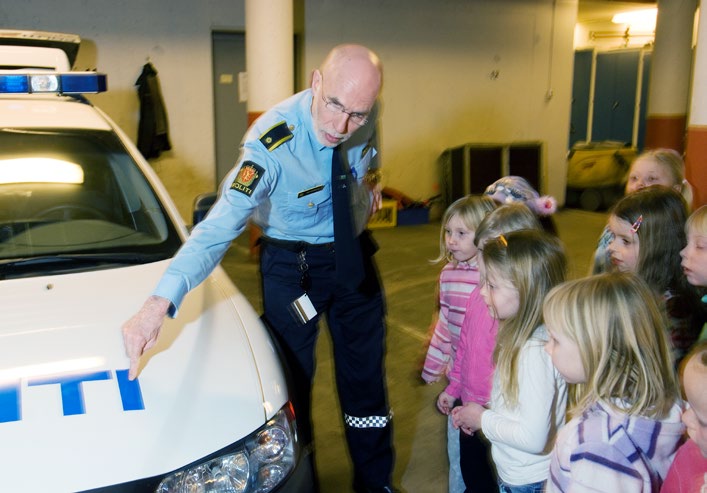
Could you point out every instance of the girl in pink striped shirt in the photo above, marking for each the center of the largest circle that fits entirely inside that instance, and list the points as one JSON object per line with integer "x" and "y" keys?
{"x": 458, "y": 278}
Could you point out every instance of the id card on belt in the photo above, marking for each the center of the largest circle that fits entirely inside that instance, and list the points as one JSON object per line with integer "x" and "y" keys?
{"x": 303, "y": 309}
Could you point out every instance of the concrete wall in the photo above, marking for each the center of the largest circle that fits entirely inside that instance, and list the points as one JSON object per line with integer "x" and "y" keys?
{"x": 439, "y": 90}
{"x": 439, "y": 57}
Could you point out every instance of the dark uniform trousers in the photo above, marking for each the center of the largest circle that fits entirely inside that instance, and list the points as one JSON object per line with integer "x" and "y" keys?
{"x": 356, "y": 323}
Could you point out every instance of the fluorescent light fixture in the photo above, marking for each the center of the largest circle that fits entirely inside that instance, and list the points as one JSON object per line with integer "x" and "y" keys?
{"x": 638, "y": 20}
{"x": 39, "y": 170}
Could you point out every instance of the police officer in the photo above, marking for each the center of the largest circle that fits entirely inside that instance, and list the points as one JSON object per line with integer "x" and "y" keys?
{"x": 296, "y": 159}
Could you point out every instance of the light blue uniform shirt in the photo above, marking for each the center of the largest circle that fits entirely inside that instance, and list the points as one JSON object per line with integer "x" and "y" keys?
{"x": 286, "y": 191}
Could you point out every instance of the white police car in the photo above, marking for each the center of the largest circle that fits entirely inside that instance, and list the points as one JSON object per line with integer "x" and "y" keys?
{"x": 86, "y": 230}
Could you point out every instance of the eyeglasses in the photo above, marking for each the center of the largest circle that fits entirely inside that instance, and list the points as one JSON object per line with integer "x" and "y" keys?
{"x": 336, "y": 107}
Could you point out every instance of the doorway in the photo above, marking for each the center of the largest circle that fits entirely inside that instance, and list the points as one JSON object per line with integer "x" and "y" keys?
{"x": 609, "y": 96}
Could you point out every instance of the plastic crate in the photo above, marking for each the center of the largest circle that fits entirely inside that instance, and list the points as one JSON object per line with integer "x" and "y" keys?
{"x": 386, "y": 216}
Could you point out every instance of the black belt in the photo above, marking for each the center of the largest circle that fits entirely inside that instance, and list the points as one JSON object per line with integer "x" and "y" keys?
{"x": 295, "y": 246}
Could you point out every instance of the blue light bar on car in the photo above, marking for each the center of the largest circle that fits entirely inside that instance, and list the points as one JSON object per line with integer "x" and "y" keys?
{"x": 69, "y": 83}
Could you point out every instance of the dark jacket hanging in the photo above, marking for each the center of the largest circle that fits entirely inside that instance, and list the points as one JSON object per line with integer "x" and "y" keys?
{"x": 153, "y": 130}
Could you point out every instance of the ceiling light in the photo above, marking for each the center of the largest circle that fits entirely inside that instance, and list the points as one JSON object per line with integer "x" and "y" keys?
{"x": 639, "y": 20}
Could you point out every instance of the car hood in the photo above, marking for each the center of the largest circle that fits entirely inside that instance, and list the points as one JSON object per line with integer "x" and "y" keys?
{"x": 70, "y": 417}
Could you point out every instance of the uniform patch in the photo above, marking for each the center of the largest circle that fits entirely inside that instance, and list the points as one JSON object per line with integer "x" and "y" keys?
{"x": 276, "y": 135}
{"x": 247, "y": 178}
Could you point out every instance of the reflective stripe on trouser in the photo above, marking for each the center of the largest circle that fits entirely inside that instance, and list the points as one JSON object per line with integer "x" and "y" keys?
{"x": 369, "y": 444}
{"x": 368, "y": 421}
{"x": 356, "y": 324}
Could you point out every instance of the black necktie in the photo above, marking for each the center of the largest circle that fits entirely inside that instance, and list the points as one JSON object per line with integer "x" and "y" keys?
{"x": 349, "y": 264}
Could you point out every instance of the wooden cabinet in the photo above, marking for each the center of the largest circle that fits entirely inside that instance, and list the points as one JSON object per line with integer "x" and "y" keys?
{"x": 470, "y": 168}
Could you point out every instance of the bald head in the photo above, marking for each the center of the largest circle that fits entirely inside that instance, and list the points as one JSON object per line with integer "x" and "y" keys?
{"x": 354, "y": 61}
{"x": 345, "y": 88}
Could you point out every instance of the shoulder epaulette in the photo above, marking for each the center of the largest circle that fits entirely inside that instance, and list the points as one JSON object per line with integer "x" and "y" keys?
{"x": 276, "y": 135}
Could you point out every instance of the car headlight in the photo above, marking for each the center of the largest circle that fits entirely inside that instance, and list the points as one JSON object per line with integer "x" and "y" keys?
{"x": 264, "y": 460}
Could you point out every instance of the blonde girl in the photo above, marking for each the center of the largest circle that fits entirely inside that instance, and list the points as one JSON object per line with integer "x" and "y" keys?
{"x": 607, "y": 338}
{"x": 694, "y": 255}
{"x": 648, "y": 233}
{"x": 528, "y": 397}
{"x": 664, "y": 167}
{"x": 694, "y": 258}
{"x": 471, "y": 375}
{"x": 507, "y": 218}
{"x": 659, "y": 167}
{"x": 458, "y": 278}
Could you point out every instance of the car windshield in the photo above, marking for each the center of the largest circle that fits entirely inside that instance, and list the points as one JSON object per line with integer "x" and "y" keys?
{"x": 75, "y": 200}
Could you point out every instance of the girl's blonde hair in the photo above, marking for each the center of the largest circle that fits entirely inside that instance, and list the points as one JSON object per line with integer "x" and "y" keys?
{"x": 506, "y": 218}
{"x": 621, "y": 333}
{"x": 674, "y": 163}
{"x": 658, "y": 214}
{"x": 471, "y": 209}
{"x": 533, "y": 262}
{"x": 697, "y": 222}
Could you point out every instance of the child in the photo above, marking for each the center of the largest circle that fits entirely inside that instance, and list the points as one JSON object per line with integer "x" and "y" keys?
{"x": 655, "y": 167}
{"x": 694, "y": 256}
{"x": 472, "y": 372}
{"x": 607, "y": 337}
{"x": 528, "y": 396}
{"x": 659, "y": 167}
{"x": 457, "y": 279}
{"x": 648, "y": 233}
{"x": 688, "y": 473}
{"x": 513, "y": 189}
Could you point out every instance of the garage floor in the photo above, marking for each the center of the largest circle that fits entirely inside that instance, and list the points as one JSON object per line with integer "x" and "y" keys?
{"x": 409, "y": 280}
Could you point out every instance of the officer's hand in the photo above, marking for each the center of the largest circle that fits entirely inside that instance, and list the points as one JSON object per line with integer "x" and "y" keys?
{"x": 141, "y": 331}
